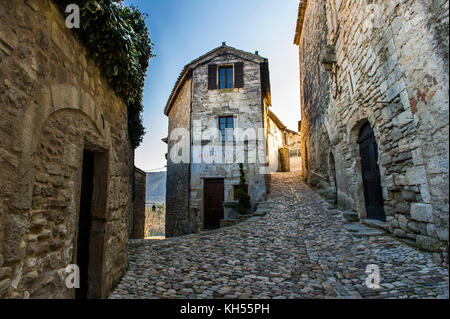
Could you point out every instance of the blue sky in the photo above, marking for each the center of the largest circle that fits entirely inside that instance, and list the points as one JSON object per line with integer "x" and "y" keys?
{"x": 183, "y": 30}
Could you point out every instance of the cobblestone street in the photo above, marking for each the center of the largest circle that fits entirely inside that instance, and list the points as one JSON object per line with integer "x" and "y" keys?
{"x": 300, "y": 249}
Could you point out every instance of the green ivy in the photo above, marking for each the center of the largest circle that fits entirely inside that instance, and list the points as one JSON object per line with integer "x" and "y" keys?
{"x": 118, "y": 40}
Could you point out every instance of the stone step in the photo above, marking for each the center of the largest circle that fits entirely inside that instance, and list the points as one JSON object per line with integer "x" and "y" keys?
{"x": 360, "y": 230}
{"x": 369, "y": 233}
{"x": 261, "y": 212}
{"x": 375, "y": 223}
{"x": 354, "y": 227}
{"x": 264, "y": 207}
{"x": 350, "y": 216}
{"x": 228, "y": 222}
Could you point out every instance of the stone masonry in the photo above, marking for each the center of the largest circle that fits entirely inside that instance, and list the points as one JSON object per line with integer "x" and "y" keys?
{"x": 55, "y": 104}
{"x": 300, "y": 250}
{"x": 195, "y": 108}
{"x": 384, "y": 63}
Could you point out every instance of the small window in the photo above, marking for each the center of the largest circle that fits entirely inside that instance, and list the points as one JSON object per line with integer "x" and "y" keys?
{"x": 226, "y": 77}
{"x": 226, "y": 128}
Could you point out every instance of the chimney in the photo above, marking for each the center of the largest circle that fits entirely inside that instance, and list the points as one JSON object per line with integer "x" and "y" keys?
{"x": 224, "y": 43}
{"x": 256, "y": 52}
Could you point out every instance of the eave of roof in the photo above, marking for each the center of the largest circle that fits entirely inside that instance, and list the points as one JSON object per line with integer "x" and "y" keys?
{"x": 300, "y": 19}
{"x": 292, "y": 132}
{"x": 276, "y": 120}
{"x": 136, "y": 169}
{"x": 185, "y": 73}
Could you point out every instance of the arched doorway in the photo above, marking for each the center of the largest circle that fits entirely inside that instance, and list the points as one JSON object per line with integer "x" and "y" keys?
{"x": 332, "y": 176}
{"x": 371, "y": 173}
{"x": 306, "y": 159}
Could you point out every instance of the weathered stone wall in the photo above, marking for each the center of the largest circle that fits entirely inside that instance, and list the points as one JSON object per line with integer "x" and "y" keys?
{"x": 293, "y": 142}
{"x": 178, "y": 174}
{"x": 393, "y": 73}
{"x": 315, "y": 96}
{"x": 245, "y": 105}
{"x": 55, "y": 104}
{"x": 140, "y": 179}
{"x": 275, "y": 141}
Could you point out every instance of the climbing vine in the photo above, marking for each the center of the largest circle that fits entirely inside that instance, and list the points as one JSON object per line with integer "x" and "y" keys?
{"x": 118, "y": 40}
{"x": 244, "y": 205}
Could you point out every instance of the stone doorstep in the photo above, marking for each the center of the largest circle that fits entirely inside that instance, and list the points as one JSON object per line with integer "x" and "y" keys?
{"x": 264, "y": 205}
{"x": 375, "y": 223}
{"x": 350, "y": 216}
{"x": 360, "y": 230}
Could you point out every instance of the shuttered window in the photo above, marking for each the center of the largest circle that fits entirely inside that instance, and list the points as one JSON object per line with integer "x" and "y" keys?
{"x": 239, "y": 75}
{"x": 228, "y": 76}
{"x": 212, "y": 77}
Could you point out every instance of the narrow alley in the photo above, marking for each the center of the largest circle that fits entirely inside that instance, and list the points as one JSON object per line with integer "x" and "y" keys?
{"x": 300, "y": 249}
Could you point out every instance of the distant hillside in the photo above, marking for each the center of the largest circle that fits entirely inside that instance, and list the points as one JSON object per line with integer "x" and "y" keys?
{"x": 156, "y": 186}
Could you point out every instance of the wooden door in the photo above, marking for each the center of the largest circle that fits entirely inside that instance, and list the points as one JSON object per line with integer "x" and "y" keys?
{"x": 371, "y": 174}
{"x": 213, "y": 200}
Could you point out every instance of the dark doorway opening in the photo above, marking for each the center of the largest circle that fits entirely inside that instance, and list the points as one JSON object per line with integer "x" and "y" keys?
{"x": 373, "y": 195}
{"x": 306, "y": 158}
{"x": 92, "y": 225}
{"x": 333, "y": 179}
{"x": 213, "y": 202}
{"x": 85, "y": 223}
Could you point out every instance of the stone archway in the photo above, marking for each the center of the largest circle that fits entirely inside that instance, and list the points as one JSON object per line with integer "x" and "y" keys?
{"x": 332, "y": 176}
{"x": 357, "y": 190}
{"x": 60, "y": 124}
{"x": 306, "y": 165}
{"x": 371, "y": 173}
{"x": 57, "y": 194}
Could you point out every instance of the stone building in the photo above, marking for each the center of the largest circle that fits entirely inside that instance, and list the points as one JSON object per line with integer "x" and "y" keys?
{"x": 283, "y": 144}
{"x": 66, "y": 162}
{"x": 374, "y": 106}
{"x": 218, "y": 94}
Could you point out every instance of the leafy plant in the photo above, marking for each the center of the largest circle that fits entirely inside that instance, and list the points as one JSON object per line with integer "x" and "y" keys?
{"x": 118, "y": 40}
{"x": 243, "y": 206}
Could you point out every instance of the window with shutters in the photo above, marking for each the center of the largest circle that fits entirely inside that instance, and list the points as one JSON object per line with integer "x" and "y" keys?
{"x": 225, "y": 77}
{"x": 230, "y": 76}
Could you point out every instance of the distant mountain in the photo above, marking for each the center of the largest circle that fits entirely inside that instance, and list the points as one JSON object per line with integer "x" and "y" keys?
{"x": 156, "y": 186}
